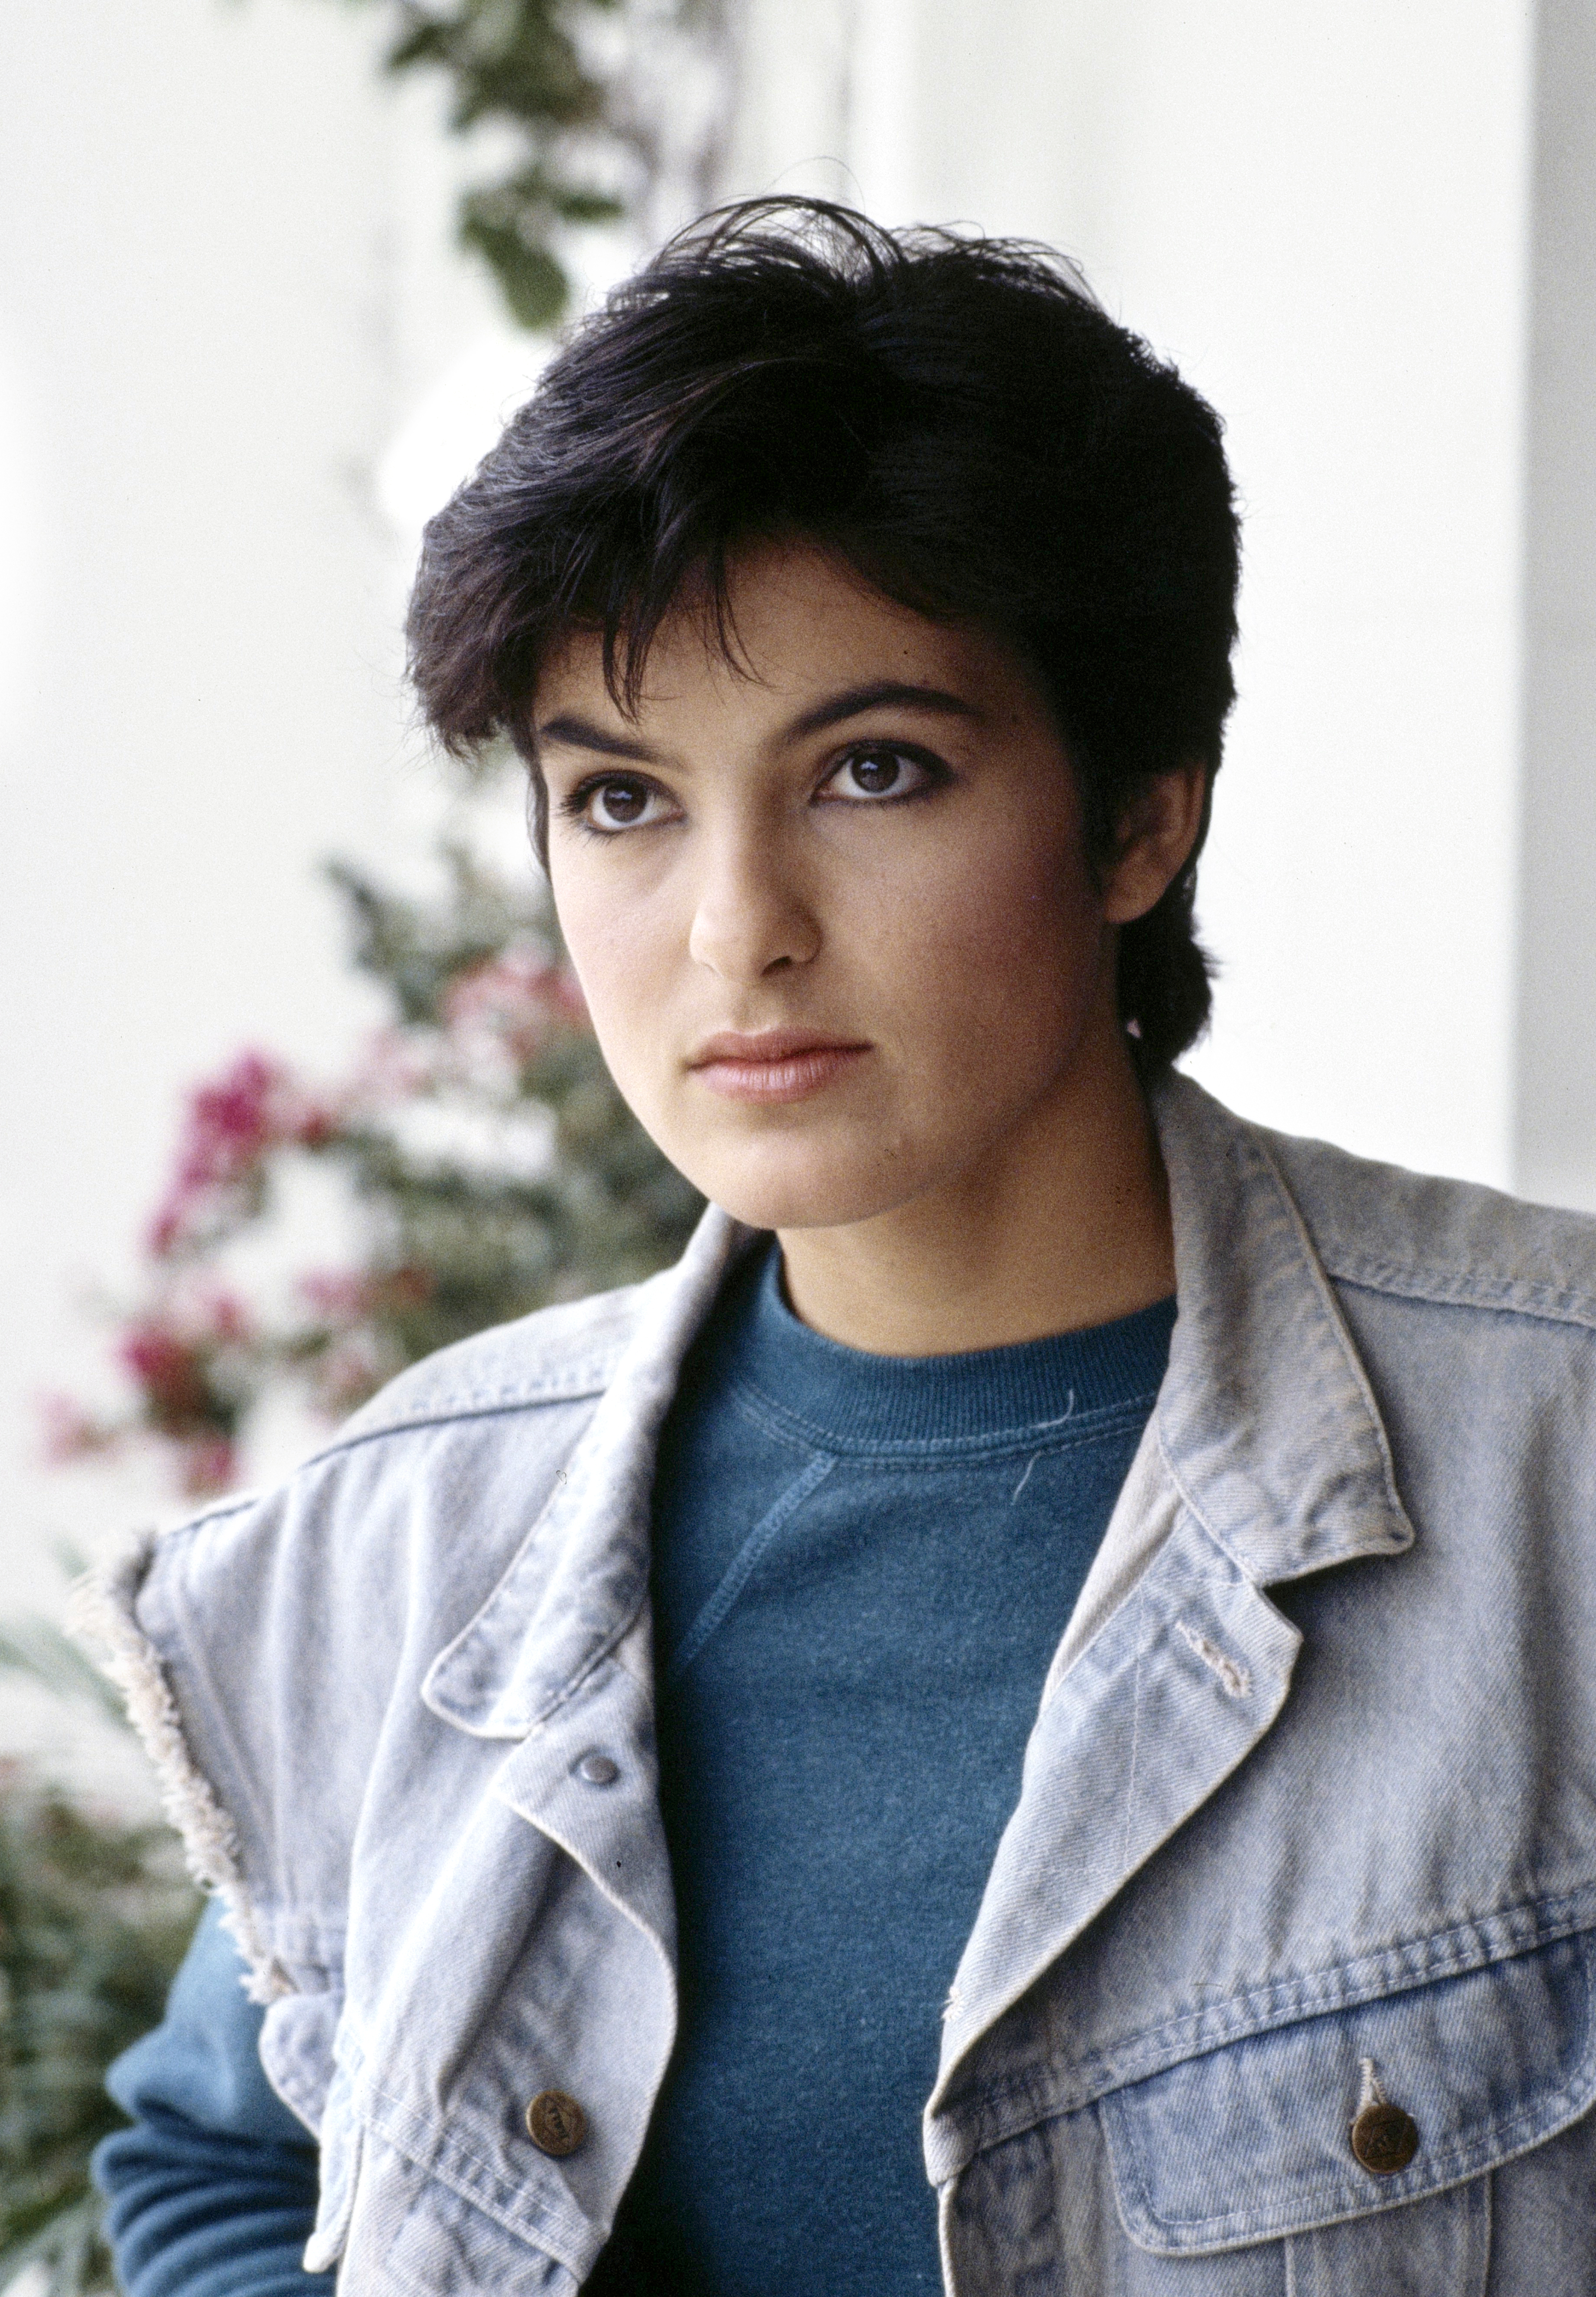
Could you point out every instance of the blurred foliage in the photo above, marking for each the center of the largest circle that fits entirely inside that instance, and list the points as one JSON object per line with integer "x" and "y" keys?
{"x": 493, "y": 1165}
{"x": 583, "y": 156}
{"x": 481, "y": 984}
{"x": 96, "y": 1914}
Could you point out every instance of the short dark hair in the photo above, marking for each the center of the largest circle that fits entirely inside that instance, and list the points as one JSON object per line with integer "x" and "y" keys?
{"x": 956, "y": 417}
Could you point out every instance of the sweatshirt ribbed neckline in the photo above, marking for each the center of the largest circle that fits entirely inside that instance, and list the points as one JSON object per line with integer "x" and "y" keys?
{"x": 864, "y": 1401}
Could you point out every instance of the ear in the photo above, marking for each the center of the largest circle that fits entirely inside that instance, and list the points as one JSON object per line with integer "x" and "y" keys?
{"x": 1156, "y": 835}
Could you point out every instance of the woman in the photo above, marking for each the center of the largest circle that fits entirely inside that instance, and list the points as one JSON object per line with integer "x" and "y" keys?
{"x": 886, "y": 1759}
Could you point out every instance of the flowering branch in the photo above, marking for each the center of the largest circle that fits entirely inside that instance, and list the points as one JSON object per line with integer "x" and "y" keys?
{"x": 494, "y": 1164}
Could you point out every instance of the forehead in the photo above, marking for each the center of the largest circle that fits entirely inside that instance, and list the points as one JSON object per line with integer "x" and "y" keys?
{"x": 802, "y": 625}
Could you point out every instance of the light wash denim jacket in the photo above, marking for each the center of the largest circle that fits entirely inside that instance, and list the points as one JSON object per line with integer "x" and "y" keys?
{"x": 1308, "y": 1814}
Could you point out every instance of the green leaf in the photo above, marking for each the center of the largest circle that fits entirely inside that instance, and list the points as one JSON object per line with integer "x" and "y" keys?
{"x": 35, "y": 1647}
{"x": 71, "y": 2245}
{"x": 532, "y": 281}
{"x": 94, "y": 1916}
{"x": 423, "y": 43}
{"x": 578, "y": 205}
{"x": 519, "y": 63}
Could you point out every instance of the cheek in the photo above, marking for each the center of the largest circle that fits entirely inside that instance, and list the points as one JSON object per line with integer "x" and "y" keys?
{"x": 615, "y": 942}
{"x": 1001, "y": 953}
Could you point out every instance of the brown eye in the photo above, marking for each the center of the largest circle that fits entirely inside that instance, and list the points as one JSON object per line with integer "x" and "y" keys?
{"x": 876, "y": 771}
{"x": 609, "y": 804}
{"x": 617, "y": 806}
{"x": 880, "y": 772}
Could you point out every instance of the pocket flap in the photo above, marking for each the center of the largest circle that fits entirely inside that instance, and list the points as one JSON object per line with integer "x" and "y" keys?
{"x": 1253, "y": 2140}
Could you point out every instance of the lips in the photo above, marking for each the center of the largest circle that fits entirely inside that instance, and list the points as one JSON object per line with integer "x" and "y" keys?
{"x": 777, "y": 1064}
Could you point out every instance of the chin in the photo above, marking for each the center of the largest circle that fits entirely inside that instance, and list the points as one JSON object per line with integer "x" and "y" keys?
{"x": 799, "y": 1191}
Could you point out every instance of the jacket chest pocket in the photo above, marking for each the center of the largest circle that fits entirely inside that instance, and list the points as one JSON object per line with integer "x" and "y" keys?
{"x": 1357, "y": 2149}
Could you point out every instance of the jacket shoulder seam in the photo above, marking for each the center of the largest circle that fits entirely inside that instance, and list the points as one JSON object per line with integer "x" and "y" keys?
{"x": 1486, "y": 1291}
{"x": 452, "y": 1408}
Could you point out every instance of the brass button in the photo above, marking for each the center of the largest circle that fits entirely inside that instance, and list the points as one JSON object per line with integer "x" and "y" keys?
{"x": 556, "y": 2123}
{"x": 1385, "y": 2138}
{"x": 598, "y": 1770}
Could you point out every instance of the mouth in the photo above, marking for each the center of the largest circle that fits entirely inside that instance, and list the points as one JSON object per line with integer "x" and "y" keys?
{"x": 779, "y": 1064}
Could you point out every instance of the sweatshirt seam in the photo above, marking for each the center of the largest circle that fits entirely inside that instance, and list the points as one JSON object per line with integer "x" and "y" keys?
{"x": 447, "y": 1415}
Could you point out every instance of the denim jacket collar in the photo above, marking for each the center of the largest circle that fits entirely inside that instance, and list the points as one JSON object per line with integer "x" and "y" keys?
{"x": 1265, "y": 1420}
{"x": 581, "y": 1576}
{"x": 1266, "y": 1460}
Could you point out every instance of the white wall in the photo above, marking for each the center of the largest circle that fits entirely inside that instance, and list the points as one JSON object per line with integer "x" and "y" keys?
{"x": 225, "y": 278}
{"x": 1557, "y": 985}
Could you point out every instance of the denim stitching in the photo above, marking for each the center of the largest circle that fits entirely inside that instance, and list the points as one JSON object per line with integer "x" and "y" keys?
{"x": 1234, "y": 1679}
{"x": 1445, "y": 2166}
{"x": 1141, "y": 1608}
{"x": 1259, "y": 2011}
{"x": 1442, "y": 1288}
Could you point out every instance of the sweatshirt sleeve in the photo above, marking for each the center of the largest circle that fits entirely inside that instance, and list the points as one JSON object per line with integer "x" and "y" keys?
{"x": 212, "y": 2192}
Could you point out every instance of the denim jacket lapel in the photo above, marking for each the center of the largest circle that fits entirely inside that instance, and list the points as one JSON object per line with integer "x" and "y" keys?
{"x": 1266, "y": 1420}
{"x": 1270, "y": 1461}
{"x": 580, "y": 1577}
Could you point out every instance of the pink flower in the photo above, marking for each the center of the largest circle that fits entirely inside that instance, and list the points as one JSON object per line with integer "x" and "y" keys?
{"x": 396, "y": 1063}
{"x": 517, "y": 998}
{"x": 171, "y": 1224}
{"x": 232, "y": 1125}
{"x": 217, "y": 1315}
{"x": 67, "y": 1432}
{"x": 344, "y": 1296}
{"x": 209, "y": 1464}
{"x": 353, "y": 1368}
{"x": 172, "y": 1350}
{"x": 340, "y": 1296}
{"x": 168, "y": 1369}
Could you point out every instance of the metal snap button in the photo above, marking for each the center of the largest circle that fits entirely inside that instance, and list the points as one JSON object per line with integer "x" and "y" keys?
{"x": 598, "y": 1770}
{"x": 1385, "y": 2139}
{"x": 556, "y": 2123}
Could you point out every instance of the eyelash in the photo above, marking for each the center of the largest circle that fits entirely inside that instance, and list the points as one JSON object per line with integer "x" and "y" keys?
{"x": 937, "y": 775}
{"x": 574, "y": 807}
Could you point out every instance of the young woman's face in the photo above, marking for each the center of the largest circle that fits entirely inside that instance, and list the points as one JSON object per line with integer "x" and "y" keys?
{"x": 831, "y": 911}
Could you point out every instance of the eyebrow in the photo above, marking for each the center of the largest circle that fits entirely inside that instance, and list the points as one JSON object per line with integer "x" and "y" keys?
{"x": 579, "y": 733}
{"x": 881, "y": 694}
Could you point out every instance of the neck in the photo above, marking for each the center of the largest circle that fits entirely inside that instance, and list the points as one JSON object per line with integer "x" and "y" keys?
{"x": 1066, "y": 1227}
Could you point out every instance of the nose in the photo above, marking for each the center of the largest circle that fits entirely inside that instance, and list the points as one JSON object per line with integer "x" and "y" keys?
{"x": 751, "y": 917}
